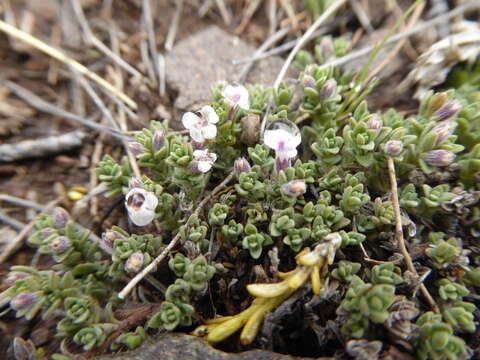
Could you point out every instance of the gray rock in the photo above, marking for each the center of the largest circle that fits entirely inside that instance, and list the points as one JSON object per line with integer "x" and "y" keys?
{"x": 195, "y": 64}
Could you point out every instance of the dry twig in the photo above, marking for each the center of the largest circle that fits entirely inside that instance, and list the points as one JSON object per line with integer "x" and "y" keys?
{"x": 42, "y": 105}
{"x": 41, "y": 147}
{"x": 172, "y": 31}
{"x": 134, "y": 281}
{"x": 17, "y": 242}
{"x": 399, "y": 233}
{"x": 47, "y": 49}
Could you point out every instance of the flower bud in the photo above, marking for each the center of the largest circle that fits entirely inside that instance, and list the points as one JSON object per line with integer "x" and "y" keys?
{"x": 23, "y": 301}
{"x": 135, "y": 183}
{"x": 158, "y": 141}
{"x": 308, "y": 81}
{"x": 436, "y": 102}
{"x": 14, "y": 276}
{"x": 60, "y": 218}
{"x": 47, "y": 232}
{"x": 393, "y": 147}
{"x": 294, "y": 188}
{"x": 375, "y": 123}
{"x": 135, "y": 147}
{"x": 241, "y": 165}
{"x": 109, "y": 237}
{"x": 443, "y": 130}
{"x": 440, "y": 158}
{"x": 448, "y": 111}
{"x": 134, "y": 262}
{"x": 59, "y": 244}
{"x": 328, "y": 89}
{"x": 327, "y": 47}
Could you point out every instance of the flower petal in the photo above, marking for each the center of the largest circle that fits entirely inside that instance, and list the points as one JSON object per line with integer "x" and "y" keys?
{"x": 151, "y": 202}
{"x": 209, "y": 131}
{"x": 209, "y": 113}
{"x": 197, "y": 135}
{"x": 189, "y": 120}
{"x": 272, "y": 138}
{"x": 198, "y": 154}
{"x": 204, "y": 166}
{"x": 142, "y": 217}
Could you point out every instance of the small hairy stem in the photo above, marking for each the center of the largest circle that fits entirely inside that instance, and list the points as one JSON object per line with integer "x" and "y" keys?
{"x": 399, "y": 233}
{"x": 134, "y": 281}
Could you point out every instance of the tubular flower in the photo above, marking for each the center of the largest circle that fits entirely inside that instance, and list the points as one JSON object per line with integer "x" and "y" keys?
{"x": 203, "y": 161}
{"x": 236, "y": 95}
{"x": 141, "y": 206}
{"x": 201, "y": 127}
{"x": 283, "y": 136}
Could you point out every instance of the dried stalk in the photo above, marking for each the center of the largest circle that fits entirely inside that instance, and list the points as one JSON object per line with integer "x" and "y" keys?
{"x": 56, "y": 54}
{"x": 41, "y": 147}
{"x": 399, "y": 233}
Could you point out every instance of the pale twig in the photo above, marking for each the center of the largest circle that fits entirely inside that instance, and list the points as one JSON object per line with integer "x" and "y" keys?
{"x": 272, "y": 16}
{"x": 414, "y": 19}
{"x": 204, "y": 8}
{"x": 421, "y": 27}
{"x": 21, "y": 202}
{"x": 30, "y": 204}
{"x": 121, "y": 114}
{"x": 269, "y": 42}
{"x": 91, "y": 38}
{"x": 172, "y": 31}
{"x": 41, "y": 147}
{"x": 56, "y": 54}
{"x": 303, "y": 40}
{"x": 152, "y": 40}
{"x": 42, "y": 105}
{"x": 287, "y": 6}
{"x": 361, "y": 15}
{"x": 227, "y": 18}
{"x": 135, "y": 280}
{"x": 17, "y": 242}
{"x": 247, "y": 15}
{"x": 13, "y": 223}
{"x": 162, "y": 75}
{"x": 399, "y": 232}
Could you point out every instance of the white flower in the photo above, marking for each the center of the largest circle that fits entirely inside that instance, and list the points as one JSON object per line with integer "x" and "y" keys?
{"x": 201, "y": 127}
{"x": 203, "y": 160}
{"x": 236, "y": 95}
{"x": 283, "y": 136}
{"x": 141, "y": 206}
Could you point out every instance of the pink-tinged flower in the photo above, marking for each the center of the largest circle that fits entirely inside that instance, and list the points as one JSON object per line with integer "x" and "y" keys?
{"x": 141, "y": 206}
{"x": 202, "y": 127}
{"x": 236, "y": 95}
{"x": 440, "y": 158}
{"x": 448, "y": 111}
{"x": 443, "y": 130}
{"x": 283, "y": 136}
{"x": 202, "y": 161}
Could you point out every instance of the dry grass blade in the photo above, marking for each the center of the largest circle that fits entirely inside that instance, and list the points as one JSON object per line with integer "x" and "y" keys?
{"x": 421, "y": 27}
{"x": 303, "y": 40}
{"x": 56, "y": 54}
{"x": 361, "y": 15}
{"x": 172, "y": 31}
{"x": 77, "y": 8}
{"x": 42, "y": 105}
{"x": 17, "y": 242}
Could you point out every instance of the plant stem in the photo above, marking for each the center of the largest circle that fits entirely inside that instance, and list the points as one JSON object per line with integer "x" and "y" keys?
{"x": 135, "y": 280}
{"x": 399, "y": 233}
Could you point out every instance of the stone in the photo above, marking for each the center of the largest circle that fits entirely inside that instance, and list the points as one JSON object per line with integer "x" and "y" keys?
{"x": 198, "y": 62}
